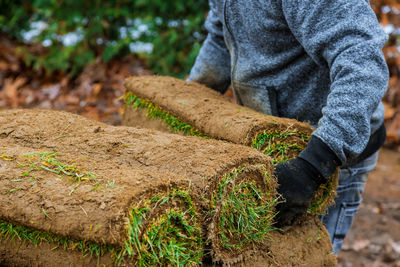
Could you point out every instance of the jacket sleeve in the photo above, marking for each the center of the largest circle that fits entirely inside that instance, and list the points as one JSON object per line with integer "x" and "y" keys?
{"x": 345, "y": 36}
{"x": 212, "y": 65}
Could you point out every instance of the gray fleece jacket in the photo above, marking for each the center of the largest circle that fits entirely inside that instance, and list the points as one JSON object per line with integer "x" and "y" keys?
{"x": 314, "y": 61}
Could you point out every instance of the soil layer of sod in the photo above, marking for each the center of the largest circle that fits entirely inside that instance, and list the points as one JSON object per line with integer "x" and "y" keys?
{"x": 189, "y": 108}
{"x": 87, "y": 193}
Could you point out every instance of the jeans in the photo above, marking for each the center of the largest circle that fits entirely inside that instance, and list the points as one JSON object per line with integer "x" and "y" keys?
{"x": 339, "y": 217}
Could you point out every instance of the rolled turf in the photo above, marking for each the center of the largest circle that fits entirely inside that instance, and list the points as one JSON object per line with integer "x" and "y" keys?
{"x": 89, "y": 194}
{"x": 189, "y": 108}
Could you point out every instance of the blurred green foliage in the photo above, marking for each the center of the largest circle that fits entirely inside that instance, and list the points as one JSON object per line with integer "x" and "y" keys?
{"x": 107, "y": 29}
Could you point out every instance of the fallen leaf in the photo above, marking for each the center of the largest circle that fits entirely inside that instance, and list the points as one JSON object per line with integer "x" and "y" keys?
{"x": 11, "y": 90}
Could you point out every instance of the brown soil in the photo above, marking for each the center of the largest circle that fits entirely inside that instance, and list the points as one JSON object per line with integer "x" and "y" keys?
{"x": 17, "y": 253}
{"x": 200, "y": 159}
{"x": 207, "y": 110}
{"x": 374, "y": 238}
{"x": 212, "y": 114}
{"x": 304, "y": 244}
{"x": 87, "y": 213}
{"x": 130, "y": 164}
{"x": 307, "y": 246}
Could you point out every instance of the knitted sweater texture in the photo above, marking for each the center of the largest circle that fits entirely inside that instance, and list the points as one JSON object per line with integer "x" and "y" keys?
{"x": 314, "y": 61}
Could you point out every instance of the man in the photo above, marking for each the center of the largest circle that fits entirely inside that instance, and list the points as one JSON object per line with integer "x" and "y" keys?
{"x": 315, "y": 61}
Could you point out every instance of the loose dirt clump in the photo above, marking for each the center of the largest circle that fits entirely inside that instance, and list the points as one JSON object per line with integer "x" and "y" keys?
{"x": 188, "y": 108}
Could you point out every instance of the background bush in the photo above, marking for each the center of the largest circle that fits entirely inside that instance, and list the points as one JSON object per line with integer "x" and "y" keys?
{"x": 77, "y": 32}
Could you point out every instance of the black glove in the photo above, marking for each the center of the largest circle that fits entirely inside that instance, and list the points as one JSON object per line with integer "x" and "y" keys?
{"x": 300, "y": 178}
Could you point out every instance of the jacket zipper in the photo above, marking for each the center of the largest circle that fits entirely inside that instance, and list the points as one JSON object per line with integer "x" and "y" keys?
{"x": 234, "y": 46}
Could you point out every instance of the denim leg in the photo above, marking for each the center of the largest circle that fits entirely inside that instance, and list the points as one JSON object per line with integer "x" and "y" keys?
{"x": 339, "y": 217}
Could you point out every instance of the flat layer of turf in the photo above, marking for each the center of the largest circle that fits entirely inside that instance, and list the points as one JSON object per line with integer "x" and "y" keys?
{"x": 155, "y": 112}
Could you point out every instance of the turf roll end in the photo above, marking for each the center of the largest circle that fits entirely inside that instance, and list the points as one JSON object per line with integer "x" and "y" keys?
{"x": 165, "y": 231}
{"x": 243, "y": 208}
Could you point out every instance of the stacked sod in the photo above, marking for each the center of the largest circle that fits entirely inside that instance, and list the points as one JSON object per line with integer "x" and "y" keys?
{"x": 72, "y": 187}
{"x": 188, "y": 108}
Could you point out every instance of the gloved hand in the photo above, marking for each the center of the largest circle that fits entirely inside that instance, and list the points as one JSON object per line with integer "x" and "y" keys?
{"x": 300, "y": 178}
